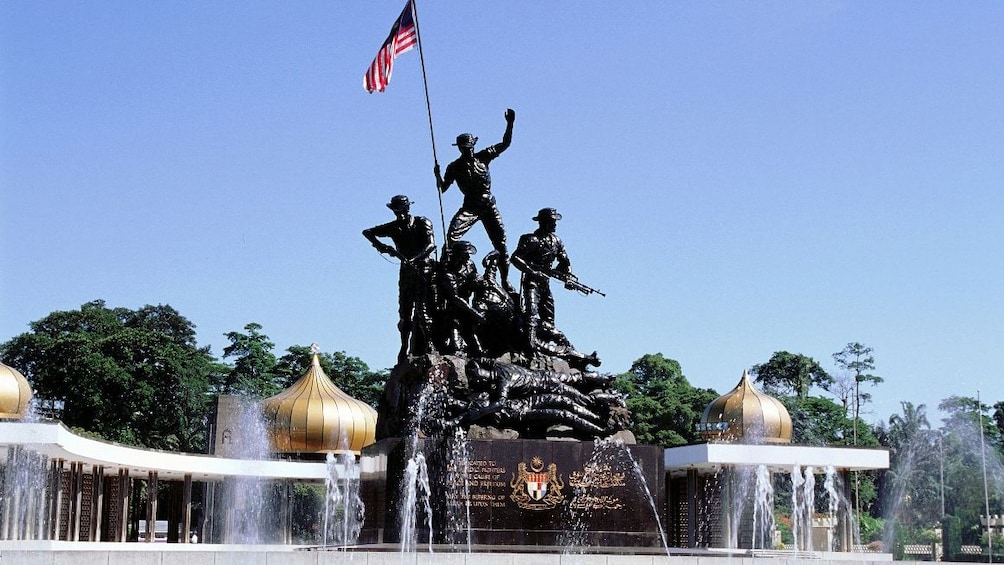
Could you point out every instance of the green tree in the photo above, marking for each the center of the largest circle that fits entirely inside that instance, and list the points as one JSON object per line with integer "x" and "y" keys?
{"x": 910, "y": 490}
{"x": 909, "y": 432}
{"x": 998, "y": 418}
{"x": 857, "y": 360}
{"x": 963, "y": 462}
{"x": 816, "y": 421}
{"x": 350, "y": 374}
{"x": 253, "y": 372}
{"x": 664, "y": 407}
{"x": 791, "y": 373}
{"x": 136, "y": 377}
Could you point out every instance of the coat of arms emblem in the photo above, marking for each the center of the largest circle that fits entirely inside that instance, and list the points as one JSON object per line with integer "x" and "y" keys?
{"x": 535, "y": 488}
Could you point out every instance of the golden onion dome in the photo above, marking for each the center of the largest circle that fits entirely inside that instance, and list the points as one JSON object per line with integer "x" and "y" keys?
{"x": 315, "y": 416}
{"x": 746, "y": 415}
{"x": 15, "y": 393}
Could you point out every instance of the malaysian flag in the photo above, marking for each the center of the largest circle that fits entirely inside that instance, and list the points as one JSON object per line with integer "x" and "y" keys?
{"x": 403, "y": 37}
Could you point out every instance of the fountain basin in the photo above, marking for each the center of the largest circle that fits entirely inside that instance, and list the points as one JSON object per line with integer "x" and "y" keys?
{"x": 57, "y": 553}
{"x": 520, "y": 492}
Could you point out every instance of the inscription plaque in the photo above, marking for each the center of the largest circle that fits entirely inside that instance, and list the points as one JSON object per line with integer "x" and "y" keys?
{"x": 529, "y": 492}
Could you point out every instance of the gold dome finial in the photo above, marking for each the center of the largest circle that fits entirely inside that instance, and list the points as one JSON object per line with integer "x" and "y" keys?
{"x": 315, "y": 416}
{"x": 746, "y": 415}
{"x": 15, "y": 393}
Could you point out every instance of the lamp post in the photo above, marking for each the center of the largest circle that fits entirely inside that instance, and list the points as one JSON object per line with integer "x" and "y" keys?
{"x": 857, "y": 414}
{"x": 941, "y": 465}
{"x": 986, "y": 490}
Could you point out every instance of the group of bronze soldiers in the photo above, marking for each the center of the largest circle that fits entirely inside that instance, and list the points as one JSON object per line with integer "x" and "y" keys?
{"x": 445, "y": 305}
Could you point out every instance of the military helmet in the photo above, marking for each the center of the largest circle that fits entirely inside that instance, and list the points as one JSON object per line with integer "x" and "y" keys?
{"x": 492, "y": 259}
{"x": 399, "y": 202}
{"x": 547, "y": 213}
{"x": 466, "y": 140}
{"x": 466, "y": 246}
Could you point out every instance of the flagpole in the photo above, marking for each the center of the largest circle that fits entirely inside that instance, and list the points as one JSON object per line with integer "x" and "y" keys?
{"x": 428, "y": 108}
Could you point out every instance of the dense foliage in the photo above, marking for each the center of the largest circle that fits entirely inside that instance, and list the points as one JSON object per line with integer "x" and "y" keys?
{"x": 140, "y": 378}
{"x": 790, "y": 373}
{"x": 664, "y": 406}
{"x": 137, "y": 377}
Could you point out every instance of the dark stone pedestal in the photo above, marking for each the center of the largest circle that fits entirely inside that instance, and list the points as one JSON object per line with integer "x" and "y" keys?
{"x": 519, "y": 492}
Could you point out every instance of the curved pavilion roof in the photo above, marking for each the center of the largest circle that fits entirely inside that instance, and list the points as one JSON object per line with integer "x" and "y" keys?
{"x": 54, "y": 440}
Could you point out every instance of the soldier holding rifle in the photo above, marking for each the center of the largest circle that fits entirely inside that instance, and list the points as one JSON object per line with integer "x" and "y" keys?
{"x": 534, "y": 256}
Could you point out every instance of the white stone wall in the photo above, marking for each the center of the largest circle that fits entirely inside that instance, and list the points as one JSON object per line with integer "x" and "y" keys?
{"x": 150, "y": 554}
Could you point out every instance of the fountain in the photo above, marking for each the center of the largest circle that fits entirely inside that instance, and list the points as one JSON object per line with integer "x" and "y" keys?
{"x": 343, "y": 509}
{"x": 504, "y": 489}
{"x": 24, "y": 495}
{"x": 240, "y": 504}
{"x": 763, "y": 511}
{"x": 748, "y": 435}
{"x": 417, "y": 504}
{"x": 459, "y": 475}
{"x": 591, "y": 492}
{"x": 458, "y": 493}
{"x": 23, "y": 485}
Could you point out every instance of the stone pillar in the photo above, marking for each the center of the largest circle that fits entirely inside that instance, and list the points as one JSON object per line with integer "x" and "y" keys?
{"x": 151, "y": 506}
{"x": 845, "y": 524}
{"x": 186, "y": 510}
{"x": 35, "y": 501}
{"x": 41, "y": 500}
{"x": 57, "y": 499}
{"x": 45, "y": 523}
{"x": 125, "y": 491}
{"x": 97, "y": 500}
{"x": 76, "y": 501}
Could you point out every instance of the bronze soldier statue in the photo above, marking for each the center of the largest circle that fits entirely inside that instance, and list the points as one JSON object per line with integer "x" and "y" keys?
{"x": 470, "y": 172}
{"x": 414, "y": 243}
{"x": 534, "y": 256}
{"x": 512, "y": 396}
{"x": 499, "y": 332}
{"x": 458, "y": 282}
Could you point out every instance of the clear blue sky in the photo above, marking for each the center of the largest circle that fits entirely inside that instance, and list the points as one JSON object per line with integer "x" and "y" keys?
{"x": 739, "y": 177}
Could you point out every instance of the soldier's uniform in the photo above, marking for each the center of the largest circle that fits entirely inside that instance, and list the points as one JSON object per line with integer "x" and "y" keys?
{"x": 458, "y": 281}
{"x": 474, "y": 181}
{"x": 540, "y": 250}
{"x": 412, "y": 239}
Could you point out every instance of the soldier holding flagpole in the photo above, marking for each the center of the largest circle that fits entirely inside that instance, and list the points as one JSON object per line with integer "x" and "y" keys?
{"x": 470, "y": 172}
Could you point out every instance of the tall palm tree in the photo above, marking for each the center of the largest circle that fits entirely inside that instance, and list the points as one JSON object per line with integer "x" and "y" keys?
{"x": 911, "y": 493}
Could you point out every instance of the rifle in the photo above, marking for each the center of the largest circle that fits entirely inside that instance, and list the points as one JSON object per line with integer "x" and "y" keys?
{"x": 571, "y": 281}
